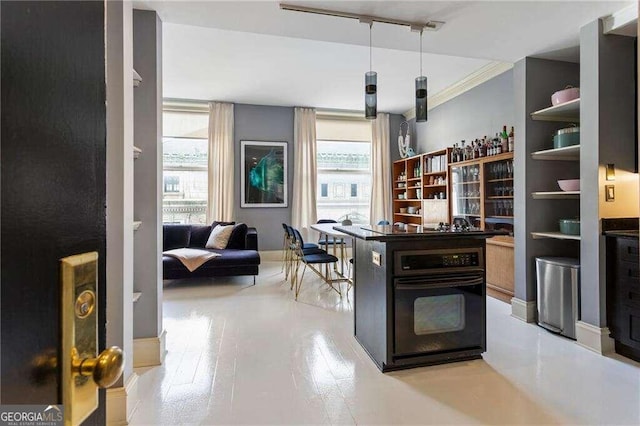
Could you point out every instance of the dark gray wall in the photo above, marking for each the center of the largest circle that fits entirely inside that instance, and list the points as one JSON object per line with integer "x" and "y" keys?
{"x": 607, "y": 135}
{"x": 480, "y": 111}
{"x": 535, "y": 80}
{"x": 147, "y": 61}
{"x": 264, "y": 123}
{"x": 394, "y": 128}
{"x": 274, "y": 123}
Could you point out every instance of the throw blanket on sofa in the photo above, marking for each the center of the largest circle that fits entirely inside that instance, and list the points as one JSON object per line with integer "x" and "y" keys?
{"x": 191, "y": 258}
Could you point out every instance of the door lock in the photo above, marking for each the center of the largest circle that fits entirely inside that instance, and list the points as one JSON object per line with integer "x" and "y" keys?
{"x": 83, "y": 370}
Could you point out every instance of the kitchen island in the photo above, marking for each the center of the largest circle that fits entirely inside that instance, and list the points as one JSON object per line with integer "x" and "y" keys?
{"x": 419, "y": 294}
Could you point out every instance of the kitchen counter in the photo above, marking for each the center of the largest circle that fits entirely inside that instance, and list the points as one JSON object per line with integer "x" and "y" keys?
{"x": 622, "y": 233}
{"x": 419, "y": 295}
{"x": 394, "y": 233}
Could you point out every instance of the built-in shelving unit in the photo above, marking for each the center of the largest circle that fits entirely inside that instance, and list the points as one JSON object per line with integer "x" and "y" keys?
{"x": 555, "y": 235}
{"x": 566, "y": 112}
{"x": 568, "y": 153}
{"x": 420, "y": 184}
{"x": 555, "y": 195}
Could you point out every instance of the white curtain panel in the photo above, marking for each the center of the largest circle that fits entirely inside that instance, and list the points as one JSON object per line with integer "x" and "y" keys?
{"x": 380, "y": 207}
{"x": 221, "y": 161}
{"x": 303, "y": 201}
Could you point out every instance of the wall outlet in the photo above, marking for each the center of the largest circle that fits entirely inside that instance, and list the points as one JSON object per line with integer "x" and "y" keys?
{"x": 375, "y": 258}
{"x": 609, "y": 193}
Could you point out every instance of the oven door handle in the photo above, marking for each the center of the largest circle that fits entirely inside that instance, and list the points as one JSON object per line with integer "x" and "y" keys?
{"x": 441, "y": 282}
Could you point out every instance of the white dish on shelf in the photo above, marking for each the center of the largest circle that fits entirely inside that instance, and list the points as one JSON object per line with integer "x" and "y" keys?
{"x": 569, "y": 185}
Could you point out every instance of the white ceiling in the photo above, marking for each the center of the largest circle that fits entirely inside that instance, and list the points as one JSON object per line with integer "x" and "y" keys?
{"x": 253, "y": 52}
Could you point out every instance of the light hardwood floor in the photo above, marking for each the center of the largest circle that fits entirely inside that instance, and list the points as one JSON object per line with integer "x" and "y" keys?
{"x": 239, "y": 354}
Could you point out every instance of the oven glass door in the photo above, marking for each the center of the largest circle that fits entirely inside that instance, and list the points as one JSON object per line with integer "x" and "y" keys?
{"x": 439, "y": 313}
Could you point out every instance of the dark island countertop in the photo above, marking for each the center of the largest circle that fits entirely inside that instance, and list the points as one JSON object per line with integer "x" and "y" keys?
{"x": 391, "y": 233}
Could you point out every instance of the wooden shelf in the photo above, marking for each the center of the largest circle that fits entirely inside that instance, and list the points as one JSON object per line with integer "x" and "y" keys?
{"x": 566, "y": 112}
{"x": 499, "y": 217}
{"x": 413, "y": 178}
{"x": 443, "y": 172}
{"x": 500, "y": 197}
{"x": 481, "y": 160}
{"x": 466, "y": 214}
{"x": 410, "y": 199}
{"x": 568, "y": 153}
{"x": 136, "y": 296}
{"x": 555, "y": 195}
{"x": 499, "y": 180}
{"x": 468, "y": 198}
{"x": 467, "y": 183}
{"x": 136, "y": 79}
{"x": 136, "y": 225}
{"x": 436, "y": 186}
{"x": 407, "y": 214}
{"x": 556, "y": 235}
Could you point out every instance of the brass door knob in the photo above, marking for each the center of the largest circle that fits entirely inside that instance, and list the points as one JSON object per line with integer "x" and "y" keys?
{"x": 106, "y": 369}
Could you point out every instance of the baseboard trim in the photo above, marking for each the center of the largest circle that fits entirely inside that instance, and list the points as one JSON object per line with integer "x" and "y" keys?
{"x": 122, "y": 402}
{"x": 594, "y": 338}
{"x": 523, "y": 310}
{"x": 149, "y": 351}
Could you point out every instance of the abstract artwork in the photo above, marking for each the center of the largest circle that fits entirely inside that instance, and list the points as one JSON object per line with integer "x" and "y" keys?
{"x": 263, "y": 174}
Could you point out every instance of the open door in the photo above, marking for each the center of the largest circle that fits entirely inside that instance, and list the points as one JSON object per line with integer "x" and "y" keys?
{"x": 52, "y": 190}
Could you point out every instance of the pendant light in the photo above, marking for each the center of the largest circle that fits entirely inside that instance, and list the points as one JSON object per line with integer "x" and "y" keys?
{"x": 370, "y": 87}
{"x": 421, "y": 91}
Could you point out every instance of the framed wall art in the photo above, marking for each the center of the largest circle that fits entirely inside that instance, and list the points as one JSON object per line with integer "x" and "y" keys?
{"x": 263, "y": 174}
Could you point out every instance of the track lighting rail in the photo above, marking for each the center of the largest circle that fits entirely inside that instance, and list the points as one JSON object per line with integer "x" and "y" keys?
{"x": 367, "y": 19}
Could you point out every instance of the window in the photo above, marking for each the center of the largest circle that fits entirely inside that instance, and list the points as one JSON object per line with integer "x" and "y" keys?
{"x": 171, "y": 184}
{"x": 185, "y": 173}
{"x": 343, "y": 167}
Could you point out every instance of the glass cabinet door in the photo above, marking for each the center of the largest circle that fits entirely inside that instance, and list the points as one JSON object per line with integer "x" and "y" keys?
{"x": 466, "y": 193}
{"x": 498, "y": 193}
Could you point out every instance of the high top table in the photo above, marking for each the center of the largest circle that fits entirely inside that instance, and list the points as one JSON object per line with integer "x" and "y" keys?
{"x": 327, "y": 230}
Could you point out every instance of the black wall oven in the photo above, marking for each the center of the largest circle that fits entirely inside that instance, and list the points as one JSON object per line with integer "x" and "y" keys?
{"x": 439, "y": 305}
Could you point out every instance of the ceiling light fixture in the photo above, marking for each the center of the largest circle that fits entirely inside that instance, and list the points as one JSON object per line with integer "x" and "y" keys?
{"x": 429, "y": 25}
{"x": 371, "y": 76}
{"x": 370, "y": 85}
{"x": 421, "y": 91}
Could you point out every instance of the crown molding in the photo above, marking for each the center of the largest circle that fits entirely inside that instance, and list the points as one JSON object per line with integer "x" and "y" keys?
{"x": 474, "y": 79}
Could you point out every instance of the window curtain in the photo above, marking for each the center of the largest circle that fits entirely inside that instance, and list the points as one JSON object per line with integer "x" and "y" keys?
{"x": 380, "y": 170}
{"x": 221, "y": 161}
{"x": 303, "y": 205}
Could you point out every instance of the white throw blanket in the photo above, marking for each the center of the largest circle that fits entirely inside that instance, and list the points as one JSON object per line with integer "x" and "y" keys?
{"x": 191, "y": 258}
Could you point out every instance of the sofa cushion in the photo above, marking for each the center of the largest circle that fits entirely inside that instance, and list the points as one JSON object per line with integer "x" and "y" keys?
{"x": 238, "y": 237}
{"x": 175, "y": 236}
{"x": 219, "y": 237}
{"x": 199, "y": 235}
{"x": 219, "y": 222}
{"x": 228, "y": 258}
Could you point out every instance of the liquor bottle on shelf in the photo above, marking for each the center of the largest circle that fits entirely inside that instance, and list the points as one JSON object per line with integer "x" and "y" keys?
{"x": 512, "y": 140}
{"x": 504, "y": 139}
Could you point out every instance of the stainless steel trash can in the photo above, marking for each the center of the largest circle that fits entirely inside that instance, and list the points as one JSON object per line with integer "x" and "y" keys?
{"x": 558, "y": 281}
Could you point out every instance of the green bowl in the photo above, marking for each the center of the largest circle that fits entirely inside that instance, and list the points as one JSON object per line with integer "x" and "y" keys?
{"x": 570, "y": 226}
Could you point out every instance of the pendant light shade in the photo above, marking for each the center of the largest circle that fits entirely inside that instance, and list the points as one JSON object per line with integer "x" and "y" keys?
{"x": 370, "y": 94}
{"x": 370, "y": 87}
{"x": 421, "y": 99}
{"x": 421, "y": 91}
